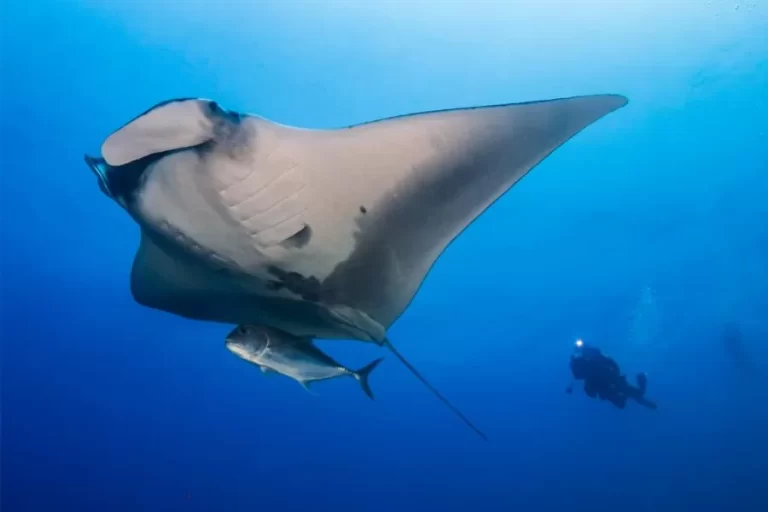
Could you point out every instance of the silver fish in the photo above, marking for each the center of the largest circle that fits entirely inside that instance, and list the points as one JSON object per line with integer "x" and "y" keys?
{"x": 293, "y": 356}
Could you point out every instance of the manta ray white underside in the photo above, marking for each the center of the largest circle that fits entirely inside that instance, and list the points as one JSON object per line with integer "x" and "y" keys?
{"x": 322, "y": 233}
{"x": 317, "y": 233}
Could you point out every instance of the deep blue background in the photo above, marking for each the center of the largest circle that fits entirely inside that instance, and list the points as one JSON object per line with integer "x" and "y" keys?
{"x": 645, "y": 234}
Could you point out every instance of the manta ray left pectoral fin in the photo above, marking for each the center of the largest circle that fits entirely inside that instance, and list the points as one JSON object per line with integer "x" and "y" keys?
{"x": 170, "y": 125}
{"x": 154, "y": 274}
{"x": 168, "y": 281}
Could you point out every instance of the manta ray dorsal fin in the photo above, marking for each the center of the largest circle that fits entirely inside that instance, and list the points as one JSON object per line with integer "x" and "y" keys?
{"x": 396, "y": 192}
{"x": 167, "y": 126}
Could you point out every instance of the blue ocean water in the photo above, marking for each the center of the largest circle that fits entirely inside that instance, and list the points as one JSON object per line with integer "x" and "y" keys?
{"x": 646, "y": 235}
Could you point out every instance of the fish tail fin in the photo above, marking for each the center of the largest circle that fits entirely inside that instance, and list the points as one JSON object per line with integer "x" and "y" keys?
{"x": 362, "y": 376}
{"x": 429, "y": 386}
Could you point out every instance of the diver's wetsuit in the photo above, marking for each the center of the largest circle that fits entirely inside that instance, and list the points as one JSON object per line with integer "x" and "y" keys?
{"x": 602, "y": 378}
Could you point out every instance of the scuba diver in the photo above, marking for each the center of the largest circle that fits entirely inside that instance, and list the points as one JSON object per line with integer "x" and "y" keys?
{"x": 733, "y": 341}
{"x": 602, "y": 378}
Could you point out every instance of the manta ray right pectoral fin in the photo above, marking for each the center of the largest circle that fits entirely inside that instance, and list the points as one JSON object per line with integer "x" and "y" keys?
{"x": 416, "y": 182}
{"x": 170, "y": 125}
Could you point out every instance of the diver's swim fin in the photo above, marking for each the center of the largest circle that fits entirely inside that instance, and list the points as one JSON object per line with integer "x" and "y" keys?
{"x": 645, "y": 402}
{"x": 429, "y": 386}
{"x": 642, "y": 382}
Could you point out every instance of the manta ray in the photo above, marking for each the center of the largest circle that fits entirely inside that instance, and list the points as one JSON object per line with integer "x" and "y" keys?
{"x": 320, "y": 233}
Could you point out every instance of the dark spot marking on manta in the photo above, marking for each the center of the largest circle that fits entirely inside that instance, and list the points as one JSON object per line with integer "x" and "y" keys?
{"x": 274, "y": 285}
{"x": 363, "y": 209}
{"x": 308, "y": 288}
{"x": 389, "y": 244}
{"x": 298, "y": 240}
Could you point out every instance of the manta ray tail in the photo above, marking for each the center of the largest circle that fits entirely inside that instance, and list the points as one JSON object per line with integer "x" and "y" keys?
{"x": 429, "y": 386}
